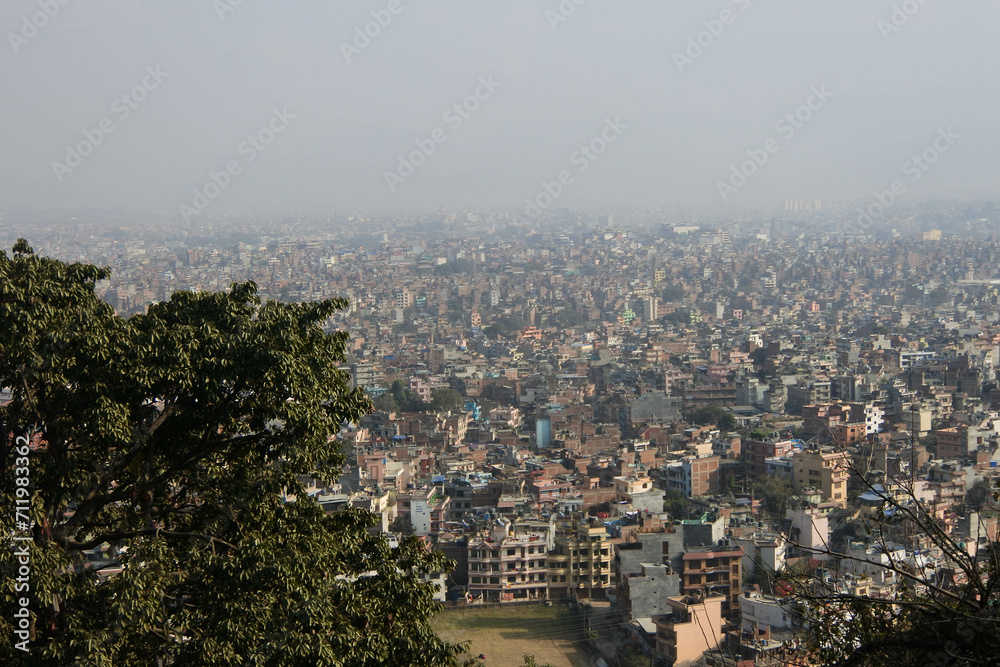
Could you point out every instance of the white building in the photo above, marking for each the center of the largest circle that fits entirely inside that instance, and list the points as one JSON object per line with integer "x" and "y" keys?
{"x": 764, "y": 611}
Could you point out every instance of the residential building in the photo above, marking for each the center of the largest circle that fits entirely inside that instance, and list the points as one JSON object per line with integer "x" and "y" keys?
{"x": 824, "y": 469}
{"x": 693, "y": 626}
{"x": 716, "y": 570}
{"x": 581, "y": 563}
{"x": 506, "y": 565}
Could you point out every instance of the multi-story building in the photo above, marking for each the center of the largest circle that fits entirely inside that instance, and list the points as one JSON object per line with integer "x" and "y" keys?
{"x": 756, "y": 453}
{"x": 871, "y": 415}
{"x": 917, "y": 419}
{"x": 663, "y": 547}
{"x": 581, "y": 564}
{"x": 403, "y": 298}
{"x": 715, "y": 569}
{"x": 507, "y": 566}
{"x": 693, "y": 626}
{"x": 849, "y": 434}
{"x": 690, "y": 476}
{"x": 428, "y": 509}
{"x": 808, "y": 391}
{"x": 367, "y": 374}
{"x": 957, "y": 441}
{"x": 750, "y": 390}
{"x": 777, "y": 395}
{"x": 824, "y": 469}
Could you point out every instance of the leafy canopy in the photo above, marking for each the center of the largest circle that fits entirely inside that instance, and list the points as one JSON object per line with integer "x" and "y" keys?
{"x": 170, "y": 519}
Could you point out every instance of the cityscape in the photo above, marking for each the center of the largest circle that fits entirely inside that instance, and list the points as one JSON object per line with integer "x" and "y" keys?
{"x": 545, "y": 333}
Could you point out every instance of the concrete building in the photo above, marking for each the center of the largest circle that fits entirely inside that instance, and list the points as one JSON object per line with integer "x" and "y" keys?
{"x": 693, "y": 626}
{"x": 717, "y": 570}
{"x": 692, "y": 477}
{"x": 957, "y": 442}
{"x": 808, "y": 391}
{"x": 760, "y": 612}
{"x": 766, "y": 550}
{"x": 660, "y": 547}
{"x": 655, "y": 406}
{"x": 750, "y": 391}
{"x": 917, "y": 419}
{"x": 823, "y": 469}
{"x": 507, "y": 566}
{"x": 581, "y": 562}
{"x": 810, "y": 528}
{"x": 756, "y": 453}
{"x": 639, "y": 492}
{"x": 643, "y": 594}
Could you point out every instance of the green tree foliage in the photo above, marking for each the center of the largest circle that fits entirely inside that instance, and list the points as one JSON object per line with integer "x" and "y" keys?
{"x": 405, "y": 399}
{"x": 938, "y": 297}
{"x": 632, "y": 658}
{"x": 979, "y": 494}
{"x": 567, "y": 318}
{"x": 774, "y": 490}
{"x": 401, "y": 524}
{"x": 712, "y": 415}
{"x": 923, "y": 618}
{"x": 443, "y": 400}
{"x": 672, "y": 293}
{"x": 167, "y": 447}
{"x": 386, "y": 403}
{"x": 460, "y": 265}
{"x": 676, "y": 504}
{"x": 505, "y": 326}
{"x": 679, "y": 318}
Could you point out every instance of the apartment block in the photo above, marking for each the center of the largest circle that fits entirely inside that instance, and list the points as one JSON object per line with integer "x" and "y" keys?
{"x": 508, "y": 566}
{"x": 581, "y": 564}
{"x": 693, "y": 626}
{"x": 715, "y": 570}
{"x": 823, "y": 469}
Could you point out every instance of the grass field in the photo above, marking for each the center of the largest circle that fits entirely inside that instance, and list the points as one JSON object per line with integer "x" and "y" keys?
{"x": 505, "y": 634}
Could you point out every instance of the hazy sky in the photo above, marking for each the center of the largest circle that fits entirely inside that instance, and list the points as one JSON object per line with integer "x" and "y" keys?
{"x": 675, "y": 121}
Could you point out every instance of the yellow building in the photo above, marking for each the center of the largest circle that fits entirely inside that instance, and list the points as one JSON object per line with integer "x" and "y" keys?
{"x": 823, "y": 469}
{"x": 580, "y": 565}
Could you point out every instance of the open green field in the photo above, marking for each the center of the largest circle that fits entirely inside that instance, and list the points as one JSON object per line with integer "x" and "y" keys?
{"x": 504, "y": 634}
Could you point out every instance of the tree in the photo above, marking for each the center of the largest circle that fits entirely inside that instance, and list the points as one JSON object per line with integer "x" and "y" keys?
{"x": 774, "y": 490}
{"x": 401, "y": 524}
{"x": 632, "y": 658}
{"x": 445, "y": 399}
{"x": 386, "y": 403}
{"x": 406, "y": 399}
{"x": 978, "y": 494}
{"x": 676, "y": 504}
{"x": 924, "y": 614}
{"x": 168, "y": 522}
{"x": 712, "y": 415}
{"x": 672, "y": 293}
